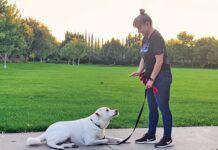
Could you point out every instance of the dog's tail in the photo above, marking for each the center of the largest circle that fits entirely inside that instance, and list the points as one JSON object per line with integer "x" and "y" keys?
{"x": 36, "y": 141}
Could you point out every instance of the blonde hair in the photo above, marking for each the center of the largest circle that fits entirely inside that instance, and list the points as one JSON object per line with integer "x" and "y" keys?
{"x": 142, "y": 18}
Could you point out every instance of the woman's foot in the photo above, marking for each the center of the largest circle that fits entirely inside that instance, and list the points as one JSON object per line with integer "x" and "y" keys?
{"x": 146, "y": 139}
{"x": 164, "y": 142}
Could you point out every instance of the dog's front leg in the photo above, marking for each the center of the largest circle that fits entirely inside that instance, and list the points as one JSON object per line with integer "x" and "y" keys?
{"x": 69, "y": 145}
{"x": 113, "y": 140}
{"x": 96, "y": 142}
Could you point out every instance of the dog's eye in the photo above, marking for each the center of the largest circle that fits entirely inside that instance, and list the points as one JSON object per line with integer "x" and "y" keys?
{"x": 107, "y": 109}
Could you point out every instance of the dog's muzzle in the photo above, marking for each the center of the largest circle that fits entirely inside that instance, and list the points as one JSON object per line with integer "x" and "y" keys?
{"x": 116, "y": 113}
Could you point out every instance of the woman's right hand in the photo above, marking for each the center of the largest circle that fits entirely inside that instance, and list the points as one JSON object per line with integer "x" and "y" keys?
{"x": 134, "y": 74}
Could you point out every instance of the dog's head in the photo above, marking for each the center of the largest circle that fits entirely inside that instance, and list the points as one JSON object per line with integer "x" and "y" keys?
{"x": 106, "y": 113}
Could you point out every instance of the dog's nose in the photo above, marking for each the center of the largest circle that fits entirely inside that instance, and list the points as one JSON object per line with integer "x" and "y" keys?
{"x": 116, "y": 111}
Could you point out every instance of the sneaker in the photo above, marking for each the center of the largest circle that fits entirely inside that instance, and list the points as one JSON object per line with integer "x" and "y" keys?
{"x": 164, "y": 142}
{"x": 146, "y": 139}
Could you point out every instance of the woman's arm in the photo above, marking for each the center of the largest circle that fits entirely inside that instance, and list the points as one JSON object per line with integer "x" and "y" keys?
{"x": 157, "y": 66}
{"x": 141, "y": 66}
{"x": 156, "y": 70}
{"x": 140, "y": 69}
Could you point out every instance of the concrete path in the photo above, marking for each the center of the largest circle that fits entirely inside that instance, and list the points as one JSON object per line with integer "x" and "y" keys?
{"x": 184, "y": 138}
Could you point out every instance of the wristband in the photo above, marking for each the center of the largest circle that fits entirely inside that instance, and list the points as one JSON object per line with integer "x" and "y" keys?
{"x": 151, "y": 79}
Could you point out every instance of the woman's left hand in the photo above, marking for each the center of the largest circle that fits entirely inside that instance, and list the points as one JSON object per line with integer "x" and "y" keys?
{"x": 149, "y": 84}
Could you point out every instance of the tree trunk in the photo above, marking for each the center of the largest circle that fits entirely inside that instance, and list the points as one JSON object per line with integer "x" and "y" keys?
{"x": 89, "y": 57}
{"x": 5, "y": 61}
{"x": 78, "y": 61}
{"x": 73, "y": 61}
{"x": 26, "y": 58}
{"x": 68, "y": 62}
{"x": 41, "y": 59}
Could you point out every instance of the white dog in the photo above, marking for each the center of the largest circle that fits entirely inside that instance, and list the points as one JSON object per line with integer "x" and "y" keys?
{"x": 86, "y": 131}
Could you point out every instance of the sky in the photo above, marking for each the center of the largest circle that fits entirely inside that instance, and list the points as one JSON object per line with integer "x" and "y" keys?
{"x": 114, "y": 18}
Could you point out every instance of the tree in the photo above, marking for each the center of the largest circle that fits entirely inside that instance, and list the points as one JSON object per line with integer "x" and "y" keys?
{"x": 68, "y": 52}
{"x": 11, "y": 35}
{"x": 206, "y": 50}
{"x": 113, "y": 51}
{"x": 80, "y": 48}
{"x": 3, "y": 7}
{"x": 175, "y": 51}
{"x": 186, "y": 47}
{"x": 29, "y": 37}
{"x": 43, "y": 43}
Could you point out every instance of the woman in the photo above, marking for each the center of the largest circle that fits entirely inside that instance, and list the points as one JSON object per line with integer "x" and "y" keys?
{"x": 158, "y": 73}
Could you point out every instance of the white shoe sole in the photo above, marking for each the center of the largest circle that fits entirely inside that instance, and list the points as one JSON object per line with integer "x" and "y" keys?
{"x": 146, "y": 142}
{"x": 171, "y": 144}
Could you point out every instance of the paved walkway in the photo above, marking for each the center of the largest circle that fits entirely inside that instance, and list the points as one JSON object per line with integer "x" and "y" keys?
{"x": 185, "y": 138}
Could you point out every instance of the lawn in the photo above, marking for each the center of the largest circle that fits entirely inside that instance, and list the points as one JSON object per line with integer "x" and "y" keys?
{"x": 32, "y": 96}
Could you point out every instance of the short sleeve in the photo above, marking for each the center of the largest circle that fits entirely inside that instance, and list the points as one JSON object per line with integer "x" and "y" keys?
{"x": 158, "y": 45}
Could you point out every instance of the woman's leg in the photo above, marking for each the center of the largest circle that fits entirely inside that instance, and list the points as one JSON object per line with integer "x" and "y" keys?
{"x": 162, "y": 97}
{"x": 153, "y": 112}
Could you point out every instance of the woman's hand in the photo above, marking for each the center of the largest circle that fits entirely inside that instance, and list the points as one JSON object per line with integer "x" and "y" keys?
{"x": 149, "y": 84}
{"x": 134, "y": 74}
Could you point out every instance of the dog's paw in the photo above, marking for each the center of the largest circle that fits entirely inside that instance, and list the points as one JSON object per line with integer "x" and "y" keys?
{"x": 117, "y": 141}
{"x": 127, "y": 142}
{"x": 120, "y": 140}
{"x": 105, "y": 141}
{"x": 75, "y": 146}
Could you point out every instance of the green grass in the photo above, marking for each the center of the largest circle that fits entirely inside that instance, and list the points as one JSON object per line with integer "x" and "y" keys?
{"x": 32, "y": 96}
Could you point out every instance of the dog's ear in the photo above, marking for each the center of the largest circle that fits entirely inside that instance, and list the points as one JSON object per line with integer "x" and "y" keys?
{"x": 98, "y": 113}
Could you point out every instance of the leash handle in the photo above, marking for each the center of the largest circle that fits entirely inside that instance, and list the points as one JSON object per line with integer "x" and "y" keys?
{"x": 144, "y": 79}
{"x": 137, "y": 121}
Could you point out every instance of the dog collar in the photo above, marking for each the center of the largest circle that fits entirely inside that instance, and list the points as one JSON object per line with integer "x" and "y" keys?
{"x": 95, "y": 123}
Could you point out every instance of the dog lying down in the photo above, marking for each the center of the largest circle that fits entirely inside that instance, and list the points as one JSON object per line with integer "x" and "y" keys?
{"x": 86, "y": 131}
